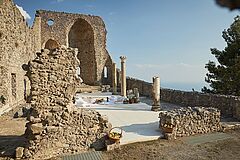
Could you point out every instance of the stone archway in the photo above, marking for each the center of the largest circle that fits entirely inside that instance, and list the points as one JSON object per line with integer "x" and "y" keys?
{"x": 107, "y": 72}
{"x": 51, "y": 44}
{"x": 81, "y": 36}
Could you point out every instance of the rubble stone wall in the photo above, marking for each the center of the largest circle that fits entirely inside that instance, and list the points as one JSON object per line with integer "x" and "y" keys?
{"x": 144, "y": 88}
{"x": 229, "y": 105}
{"x": 18, "y": 43}
{"x": 57, "y": 127}
{"x": 85, "y": 32}
{"x": 189, "y": 121}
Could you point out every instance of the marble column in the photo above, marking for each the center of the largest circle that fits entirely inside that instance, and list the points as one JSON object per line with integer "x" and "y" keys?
{"x": 156, "y": 94}
{"x": 114, "y": 78}
{"x": 123, "y": 76}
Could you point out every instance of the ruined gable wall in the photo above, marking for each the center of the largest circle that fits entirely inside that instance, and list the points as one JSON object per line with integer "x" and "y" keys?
{"x": 17, "y": 45}
{"x": 59, "y": 32}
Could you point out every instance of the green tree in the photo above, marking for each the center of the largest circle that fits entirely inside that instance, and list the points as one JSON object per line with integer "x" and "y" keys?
{"x": 224, "y": 76}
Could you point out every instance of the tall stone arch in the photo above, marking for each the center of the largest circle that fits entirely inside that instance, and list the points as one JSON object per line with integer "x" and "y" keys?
{"x": 68, "y": 29}
{"x": 81, "y": 36}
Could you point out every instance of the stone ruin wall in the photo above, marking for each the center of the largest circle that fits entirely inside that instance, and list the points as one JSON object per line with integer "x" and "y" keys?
{"x": 56, "y": 126}
{"x": 85, "y": 32}
{"x": 18, "y": 43}
{"x": 229, "y": 105}
{"x": 189, "y": 121}
{"x": 144, "y": 88}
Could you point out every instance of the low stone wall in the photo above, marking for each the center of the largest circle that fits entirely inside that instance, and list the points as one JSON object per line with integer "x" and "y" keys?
{"x": 229, "y": 105}
{"x": 189, "y": 121}
{"x": 144, "y": 88}
{"x": 57, "y": 127}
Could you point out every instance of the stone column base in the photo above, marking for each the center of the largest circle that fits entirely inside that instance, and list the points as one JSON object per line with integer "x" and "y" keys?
{"x": 115, "y": 93}
{"x": 155, "y": 108}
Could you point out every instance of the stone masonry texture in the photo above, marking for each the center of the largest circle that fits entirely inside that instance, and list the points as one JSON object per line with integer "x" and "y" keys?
{"x": 228, "y": 105}
{"x": 85, "y": 32}
{"x": 49, "y": 78}
{"x": 56, "y": 126}
{"x": 18, "y": 45}
{"x": 189, "y": 121}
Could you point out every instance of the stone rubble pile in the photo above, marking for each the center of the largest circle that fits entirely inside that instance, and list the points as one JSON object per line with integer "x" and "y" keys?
{"x": 55, "y": 125}
{"x": 189, "y": 121}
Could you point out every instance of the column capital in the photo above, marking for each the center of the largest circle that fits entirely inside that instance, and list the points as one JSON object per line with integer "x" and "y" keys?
{"x": 123, "y": 58}
{"x": 155, "y": 77}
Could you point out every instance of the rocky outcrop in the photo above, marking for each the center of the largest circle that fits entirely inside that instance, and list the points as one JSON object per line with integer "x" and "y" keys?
{"x": 189, "y": 121}
{"x": 56, "y": 126}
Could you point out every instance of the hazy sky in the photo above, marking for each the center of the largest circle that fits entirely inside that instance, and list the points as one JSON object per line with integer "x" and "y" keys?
{"x": 169, "y": 38}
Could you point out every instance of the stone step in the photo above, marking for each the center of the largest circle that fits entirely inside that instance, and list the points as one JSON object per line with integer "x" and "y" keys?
{"x": 95, "y": 155}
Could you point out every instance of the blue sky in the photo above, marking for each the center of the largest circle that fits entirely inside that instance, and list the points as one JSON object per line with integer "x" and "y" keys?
{"x": 168, "y": 38}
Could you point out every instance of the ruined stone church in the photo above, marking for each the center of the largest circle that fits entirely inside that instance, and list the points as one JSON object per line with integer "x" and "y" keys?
{"x": 19, "y": 44}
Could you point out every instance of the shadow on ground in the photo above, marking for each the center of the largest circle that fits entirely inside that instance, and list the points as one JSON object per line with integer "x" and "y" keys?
{"x": 148, "y": 129}
{"x": 9, "y": 143}
{"x": 127, "y": 108}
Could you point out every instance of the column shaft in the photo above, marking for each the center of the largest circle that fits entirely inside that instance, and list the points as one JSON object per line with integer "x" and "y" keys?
{"x": 123, "y": 74}
{"x": 156, "y": 94}
{"x": 114, "y": 78}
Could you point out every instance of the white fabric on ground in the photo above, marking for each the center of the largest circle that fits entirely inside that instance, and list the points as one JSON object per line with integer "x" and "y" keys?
{"x": 137, "y": 120}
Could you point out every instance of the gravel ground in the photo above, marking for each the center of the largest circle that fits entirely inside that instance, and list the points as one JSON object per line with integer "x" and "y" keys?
{"x": 228, "y": 149}
{"x": 11, "y": 133}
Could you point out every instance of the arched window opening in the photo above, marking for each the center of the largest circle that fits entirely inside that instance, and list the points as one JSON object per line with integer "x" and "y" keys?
{"x": 51, "y": 44}
{"x": 50, "y": 22}
{"x": 105, "y": 71}
{"x": 78, "y": 71}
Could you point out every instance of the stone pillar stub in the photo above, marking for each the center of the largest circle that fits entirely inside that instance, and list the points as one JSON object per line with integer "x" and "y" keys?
{"x": 123, "y": 75}
{"x": 114, "y": 78}
{"x": 156, "y": 94}
{"x": 136, "y": 92}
